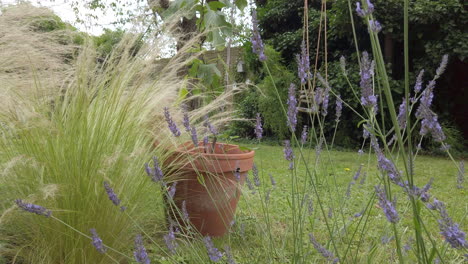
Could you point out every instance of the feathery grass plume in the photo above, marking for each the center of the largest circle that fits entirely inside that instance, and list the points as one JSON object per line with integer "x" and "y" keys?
{"x": 140, "y": 251}
{"x": 323, "y": 251}
{"x": 292, "y": 107}
{"x": 258, "y": 127}
{"x": 156, "y": 173}
{"x": 304, "y": 135}
{"x": 170, "y": 239}
{"x": 368, "y": 98}
{"x": 288, "y": 153}
{"x": 105, "y": 120}
{"x": 33, "y": 208}
{"x": 97, "y": 241}
{"x": 214, "y": 253}
{"x": 303, "y": 64}
{"x": 256, "y": 39}
{"x": 29, "y": 54}
{"x": 449, "y": 230}
{"x": 461, "y": 175}
{"x": 170, "y": 123}
{"x": 387, "y": 206}
{"x": 339, "y": 108}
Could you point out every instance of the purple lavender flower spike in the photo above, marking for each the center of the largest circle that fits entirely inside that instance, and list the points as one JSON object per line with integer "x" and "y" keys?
{"x": 169, "y": 238}
{"x": 210, "y": 126}
{"x": 249, "y": 184}
{"x": 186, "y": 122}
{"x": 255, "y": 175}
{"x": 339, "y": 108}
{"x": 256, "y": 39}
{"x": 185, "y": 214}
{"x": 258, "y": 127}
{"x": 304, "y": 135}
{"x": 442, "y": 67}
{"x": 292, "y": 107}
{"x": 318, "y": 97}
{"x": 386, "y": 239}
{"x": 370, "y": 7}
{"x": 330, "y": 212}
{"x": 156, "y": 173}
{"x": 303, "y": 64}
{"x": 267, "y": 196}
{"x": 461, "y": 175}
{"x": 140, "y": 251}
{"x": 359, "y": 10}
{"x": 172, "y": 190}
{"x": 365, "y": 132}
{"x": 323, "y": 251}
{"x": 368, "y": 98}
{"x": 387, "y": 206}
{"x": 360, "y": 152}
{"x": 194, "y": 136}
{"x": 348, "y": 190}
{"x": 97, "y": 241}
{"x": 402, "y": 114}
{"x": 214, "y": 254}
{"x": 358, "y": 214}
{"x": 33, "y": 208}
{"x": 289, "y": 154}
{"x": 326, "y": 96}
{"x": 385, "y": 164}
{"x": 112, "y": 196}
{"x": 205, "y": 141}
{"x": 419, "y": 82}
{"x": 273, "y": 182}
{"x": 358, "y": 173}
{"x": 449, "y": 230}
{"x": 171, "y": 124}
{"x": 310, "y": 205}
{"x": 230, "y": 258}
{"x": 343, "y": 65}
{"x": 375, "y": 26}
{"x": 363, "y": 178}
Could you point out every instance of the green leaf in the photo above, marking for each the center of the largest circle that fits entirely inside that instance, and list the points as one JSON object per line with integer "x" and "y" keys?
{"x": 183, "y": 93}
{"x": 215, "y": 5}
{"x": 241, "y": 4}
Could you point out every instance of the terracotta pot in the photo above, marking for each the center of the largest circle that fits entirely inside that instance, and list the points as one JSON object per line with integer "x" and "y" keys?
{"x": 207, "y": 182}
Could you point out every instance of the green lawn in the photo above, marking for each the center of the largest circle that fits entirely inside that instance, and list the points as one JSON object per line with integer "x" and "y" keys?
{"x": 250, "y": 239}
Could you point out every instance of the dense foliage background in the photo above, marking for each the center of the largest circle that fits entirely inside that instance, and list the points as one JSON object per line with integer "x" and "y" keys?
{"x": 437, "y": 28}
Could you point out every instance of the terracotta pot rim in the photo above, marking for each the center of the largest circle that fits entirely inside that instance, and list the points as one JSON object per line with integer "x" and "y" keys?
{"x": 219, "y": 156}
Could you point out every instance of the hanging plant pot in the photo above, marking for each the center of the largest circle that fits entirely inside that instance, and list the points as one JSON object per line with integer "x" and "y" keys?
{"x": 208, "y": 183}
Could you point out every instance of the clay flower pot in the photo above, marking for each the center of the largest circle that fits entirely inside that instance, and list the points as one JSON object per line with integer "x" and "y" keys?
{"x": 209, "y": 182}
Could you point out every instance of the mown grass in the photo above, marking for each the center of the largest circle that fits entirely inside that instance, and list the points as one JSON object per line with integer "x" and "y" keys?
{"x": 256, "y": 218}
